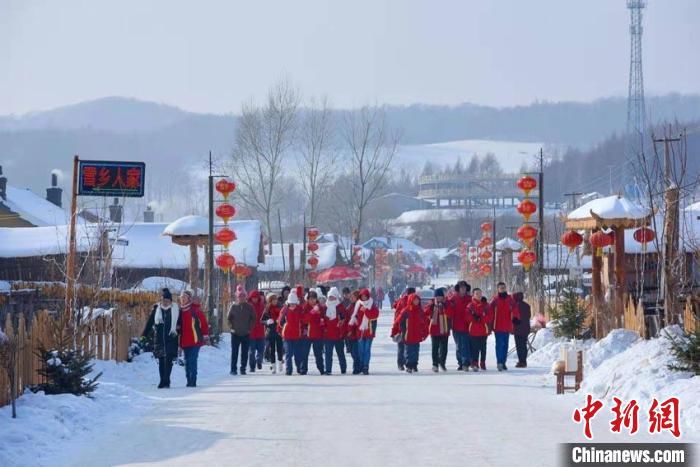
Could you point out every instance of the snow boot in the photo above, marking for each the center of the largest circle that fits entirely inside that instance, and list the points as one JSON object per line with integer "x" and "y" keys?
{"x": 483, "y": 365}
{"x": 273, "y": 368}
{"x": 504, "y": 367}
{"x": 402, "y": 367}
{"x": 460, "y": 368}
{"x": 442, "y": 367}
{"x": 280, "y": 366}
{"x": 519, "y": 365}
{"x": 409, "y": 370}
{"x": 259, "y": 365}
{"x": 499, "y": 367}
{"x": 435, "y": 369}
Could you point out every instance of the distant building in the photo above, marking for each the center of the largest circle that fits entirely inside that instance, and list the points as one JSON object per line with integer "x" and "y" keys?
{"x": 453, "y": 190}
{"x": 23, "y": 208}
{"x": 393, "y": 205}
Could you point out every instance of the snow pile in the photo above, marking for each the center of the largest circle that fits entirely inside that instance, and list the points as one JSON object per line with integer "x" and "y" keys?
{"x": 52, "y": 430}
{"x": 610, "y": 207}
{"x": 188, "y": 225}
{"x": 548, "y": 347}
{"x": 640, "y": 371}
{"x": 616, "y": 342}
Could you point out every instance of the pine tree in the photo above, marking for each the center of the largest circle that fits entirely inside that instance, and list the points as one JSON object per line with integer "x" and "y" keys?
{"x": 686, "y": 351}
{"x": 569, "y": 317}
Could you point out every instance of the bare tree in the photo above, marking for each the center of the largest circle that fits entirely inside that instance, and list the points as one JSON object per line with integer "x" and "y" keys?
{"x": 263, "y": 137}
{"x": 317, "y": 155}
{"x": 371, "y": 149}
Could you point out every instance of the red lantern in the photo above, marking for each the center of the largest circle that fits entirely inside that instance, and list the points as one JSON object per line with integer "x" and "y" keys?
{"x": 484, "y": 242}
{"x": 225, "y": 236}
{"x": 485, "y": 255}
{"x": 486, "y": 227}
{"x": 571, "y": 240}
{"x": 225, "y": 187}
{"x": 600, "y": 240}
{"x": 527, "y": 234}
{"x": 225, "y": 211}
{"x": 313, "y": 261}
{"x": 312, "y": 247}
{"x": 241, "y": 270}
{"x": 644, "y": 235}
{"x": 225, "y": 261}
{"x": 527, "y": 184}
{"x": 527, "y": 208}
{"x": 485, "y": 269}
{"x": 312, "y": 233}
{"x": 527, "y": 258}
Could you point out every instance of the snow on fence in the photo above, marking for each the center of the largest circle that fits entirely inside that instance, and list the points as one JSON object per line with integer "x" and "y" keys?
{"x": 106, "y": 337}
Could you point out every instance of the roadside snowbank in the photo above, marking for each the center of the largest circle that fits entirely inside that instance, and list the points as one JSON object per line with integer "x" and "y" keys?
{"x": 49, "y": 430}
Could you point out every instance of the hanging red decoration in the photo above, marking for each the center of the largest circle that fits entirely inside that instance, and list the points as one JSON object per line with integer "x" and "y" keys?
{"x": 225, "y": 187}
{"x": 225, "y": 211}
{"x": 312, "y": 233}
{"x": 486, "y": 227}
{"x": 644, "y": 235}
{"x": 527, "y": 258}
{"x": 600, "y": 240}
{"x": 527, "y": 184}
{"x": 486, "y": 241}
{"x": 225, "y": 261}
{"x": 611, "y": 234}
{"x": 313, "y": 261}
{"x": 527, "y": 208}
{"x": 485, "y": 255}
{"x": 486, "y": 269}
{"x": 312, "y": 246}
{"x": 527, "y": 234}
{"x": 571, "y": 240}
{"x": 241, "y": 270}
{"x": 225, "y": 236}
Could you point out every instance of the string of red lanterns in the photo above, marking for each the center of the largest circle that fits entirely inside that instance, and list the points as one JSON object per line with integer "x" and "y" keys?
{"x": 312, "y": 247}
{"x": 225, "y": 235}
{"x": 527, "y": 233}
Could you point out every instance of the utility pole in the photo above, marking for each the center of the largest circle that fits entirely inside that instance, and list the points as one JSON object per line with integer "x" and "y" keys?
{"x": 669, "y": 277}
{"x": 540, "y": 243}
{"x": 70, "y": 261}
{"x": 493, "y": 250}
{"x": 210, "y": 253}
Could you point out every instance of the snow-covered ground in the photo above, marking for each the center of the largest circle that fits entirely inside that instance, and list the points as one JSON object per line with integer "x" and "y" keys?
{"x": 387, "y": 418}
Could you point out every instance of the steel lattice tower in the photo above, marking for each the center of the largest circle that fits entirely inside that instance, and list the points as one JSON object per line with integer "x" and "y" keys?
{"x": 636, "y": 114}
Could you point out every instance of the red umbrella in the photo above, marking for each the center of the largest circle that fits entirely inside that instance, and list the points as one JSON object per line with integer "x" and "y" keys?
{"x": 338, "y": 273}
{"x": 415, "y": 268}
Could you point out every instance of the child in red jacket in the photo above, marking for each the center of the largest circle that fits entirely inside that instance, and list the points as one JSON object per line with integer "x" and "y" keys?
{"x": 270, "y": 319}
{"x": 440, "y": 319}
{"x": 412, "y": 326}
{"x": 479, "y": 317}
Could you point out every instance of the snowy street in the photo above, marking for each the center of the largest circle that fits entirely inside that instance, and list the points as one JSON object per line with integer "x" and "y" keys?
{"x": 386, "y": 418}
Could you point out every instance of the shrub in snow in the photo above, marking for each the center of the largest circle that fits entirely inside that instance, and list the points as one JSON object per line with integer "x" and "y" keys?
{"x": 569, "y": 317}
{"x": 66, "y": 372}
{"x": 685, "y": 350}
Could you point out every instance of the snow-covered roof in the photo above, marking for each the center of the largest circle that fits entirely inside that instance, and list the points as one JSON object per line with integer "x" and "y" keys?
{"x": 24, "y": 242}
{"x": 429, "y": 254}
{"x": 508, "y": 244}
{"x": 148, "y": 247}
{"x": 33, "y": 208}
{"x": 394, "y": 243}
{"x": 274, "y": 263}
{"x": 430, "y": 215}
{"x": 188, "y": 225}
{"x": 157, "y": 283}
{"x": 610, "y": 207}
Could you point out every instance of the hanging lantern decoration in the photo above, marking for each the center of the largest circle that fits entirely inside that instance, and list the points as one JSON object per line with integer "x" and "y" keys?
{"x": 225, "y": 236}
{"x": 485, "y": 241}
{"x": 225, "y": 211}
{"x": 527, "y": 208}
{"x": 571, "y": 240}
{"x": 527, "y": 184}
{"x": 312, "y": 247}
{"x": 225, "y": 261}
{"x": 485, "y": 255}
{"x": 312, "y": 233}
{"x": 313, "y": 261}
{"x": 225, "y": 187}
{"x": 644, "y": 235}
{"x": 611, "y": 234}
{"x": 600, "y": 240}
{"x": 527, "y": 258}
{"x": 527, "y": 234}
{"x": 486, "y": 269}
{"x": 486, "y": 227}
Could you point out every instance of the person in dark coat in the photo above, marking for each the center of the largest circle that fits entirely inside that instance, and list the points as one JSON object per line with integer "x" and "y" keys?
{"x": 161, "y": 328}
{"x": 241, "y": 319}
{"x": 521, "y": 329}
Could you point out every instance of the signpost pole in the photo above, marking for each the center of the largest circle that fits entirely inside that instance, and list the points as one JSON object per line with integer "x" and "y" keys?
{"x": 70, "y": 259}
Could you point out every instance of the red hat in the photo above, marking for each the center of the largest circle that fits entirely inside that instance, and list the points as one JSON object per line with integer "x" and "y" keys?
{"x": 365, "y": 292}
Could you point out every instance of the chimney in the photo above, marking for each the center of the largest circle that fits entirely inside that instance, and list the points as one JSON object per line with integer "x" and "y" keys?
{"x": 54, "y": 194}
{"x": 149, "y": 215}
{"x": 3, "y": 185}
{"x": 115, "y": 212}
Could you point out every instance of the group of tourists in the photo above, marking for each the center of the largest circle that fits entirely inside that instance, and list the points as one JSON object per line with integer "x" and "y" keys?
{"x": 469, "y": 317}
{"x": 283, "y": 329}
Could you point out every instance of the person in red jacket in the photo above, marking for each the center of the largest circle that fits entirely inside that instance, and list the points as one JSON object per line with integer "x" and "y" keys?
{"x": 333, "y": 332}
{"x": 439, "y": 316}
{"x": 351, "y": 332}
{"x": 412, "y": 326}
{"x": 270, "y": 318}
{"x": 479, "y": 318}
{"x": 291, "y": 322}
{"x": 458, "y": 303}
{"x": 400, "y": 345}
{"x": 194, "y": 333}
{"x": 314, "y": 317}
{"x": 364, "y": 319}
{"x": 257, "y": 334}
{"x": 505, "y": 314}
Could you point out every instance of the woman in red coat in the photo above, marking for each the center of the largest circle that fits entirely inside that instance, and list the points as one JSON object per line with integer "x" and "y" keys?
{"x": 413, "y": 327}
{"x": 257, "y": 333}
{"x": 505, "y": 314}
{"x": 291, "y": 323}
{"x": 333, "y": 332}
{"x": 364, "y": 319}
{"x": 314, "y": 310}
{"x": 479, "y": 318}
{"x": 194, "y": 333}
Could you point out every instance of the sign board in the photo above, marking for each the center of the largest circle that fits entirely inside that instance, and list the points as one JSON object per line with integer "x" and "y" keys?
{"x": 110, "y": 178}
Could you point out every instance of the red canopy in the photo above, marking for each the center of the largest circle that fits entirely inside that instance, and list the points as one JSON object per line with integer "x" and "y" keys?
{"x": 416, "y": 268}
{"x": 338, "y": 273}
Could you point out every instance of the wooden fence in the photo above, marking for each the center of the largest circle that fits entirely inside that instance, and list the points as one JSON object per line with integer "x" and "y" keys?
{"x": 106, "y": 337}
